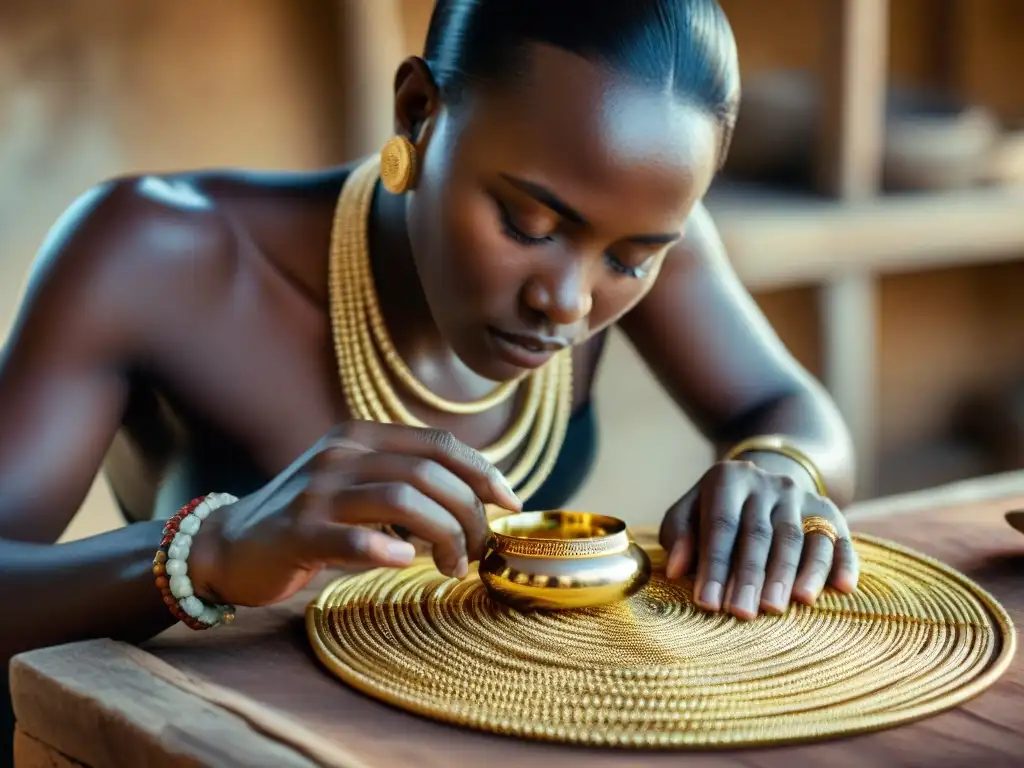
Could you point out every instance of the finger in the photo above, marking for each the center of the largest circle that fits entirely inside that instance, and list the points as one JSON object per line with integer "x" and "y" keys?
{"x": 443, "y": 447}
{"x": 402, "y": 504}
{"x": 433, "y": 480}
{"x": 719, "y": 527}
{"x": 817, "y": 557}
{"x": 752, "y": 549}
{"x": 677, "y": 534}
{"x": 350, "y": 546}
{"x": 784, "y": 560}
{"x": 845, "y": 564}
{"x": 814, "y": 572}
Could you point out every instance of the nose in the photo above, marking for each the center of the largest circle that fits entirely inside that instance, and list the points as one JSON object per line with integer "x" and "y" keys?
{"x": 562, "y": 293}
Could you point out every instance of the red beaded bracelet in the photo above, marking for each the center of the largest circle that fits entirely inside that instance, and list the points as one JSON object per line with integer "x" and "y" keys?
{"x": 170, "y": 569}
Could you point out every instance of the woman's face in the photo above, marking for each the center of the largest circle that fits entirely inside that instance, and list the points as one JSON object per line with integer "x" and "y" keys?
{"x": 542, "y": 213}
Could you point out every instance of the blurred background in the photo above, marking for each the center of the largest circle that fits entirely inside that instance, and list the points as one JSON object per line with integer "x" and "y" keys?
{"x": 873, "y": 201}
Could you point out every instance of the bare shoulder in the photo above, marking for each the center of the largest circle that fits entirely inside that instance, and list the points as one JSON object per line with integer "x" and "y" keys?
{"x": 101, "y": 270}
{"x": 125, "y": 229}
{"x": 130, "y": 254}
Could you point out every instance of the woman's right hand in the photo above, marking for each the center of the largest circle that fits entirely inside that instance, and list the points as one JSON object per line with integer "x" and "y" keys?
{"x": 328, "y": 507}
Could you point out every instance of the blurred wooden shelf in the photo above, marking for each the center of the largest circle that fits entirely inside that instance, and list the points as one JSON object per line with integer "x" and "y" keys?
{"x": 779, "y": 238}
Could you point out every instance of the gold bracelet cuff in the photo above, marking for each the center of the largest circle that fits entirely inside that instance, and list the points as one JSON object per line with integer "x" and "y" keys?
{"x": 784, "y": 447}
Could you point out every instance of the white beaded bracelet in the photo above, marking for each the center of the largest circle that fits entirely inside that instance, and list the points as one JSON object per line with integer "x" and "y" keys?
{"x": 170, "y": 566}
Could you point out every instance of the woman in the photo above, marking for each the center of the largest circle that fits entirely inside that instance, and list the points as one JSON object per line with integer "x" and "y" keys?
{"x": 545, "y": 183}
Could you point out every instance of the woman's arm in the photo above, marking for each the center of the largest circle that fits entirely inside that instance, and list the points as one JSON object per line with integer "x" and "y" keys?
{"x": 96, "y": 587}
{"x": 63, "y": 390}
{"x": 713, "y": 350}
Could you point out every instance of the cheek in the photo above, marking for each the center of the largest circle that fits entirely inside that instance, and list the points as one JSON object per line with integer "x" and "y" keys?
{"x": 483, "y": 262}
{"x": 613, "y": 297}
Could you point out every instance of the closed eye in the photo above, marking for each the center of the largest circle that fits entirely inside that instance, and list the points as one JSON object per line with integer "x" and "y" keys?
{"x": 510, "y": 229}
{"x": 513, "y": 232}
{"x": 637, "y": 273}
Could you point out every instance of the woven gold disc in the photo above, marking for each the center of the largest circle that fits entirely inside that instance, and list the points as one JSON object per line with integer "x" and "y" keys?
{"x": 656, "y": 672}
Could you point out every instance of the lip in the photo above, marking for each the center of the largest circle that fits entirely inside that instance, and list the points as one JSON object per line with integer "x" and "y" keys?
{"x": 524, "y": 351}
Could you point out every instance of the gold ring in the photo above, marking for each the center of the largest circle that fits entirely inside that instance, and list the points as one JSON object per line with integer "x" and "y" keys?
{"x": 822, "y": 526}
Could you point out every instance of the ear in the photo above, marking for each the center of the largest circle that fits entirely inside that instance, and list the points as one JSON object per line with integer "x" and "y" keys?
{"x": 417, "y": 100}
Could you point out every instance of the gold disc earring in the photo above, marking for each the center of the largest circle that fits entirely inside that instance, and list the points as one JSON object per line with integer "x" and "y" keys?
{"x": 398, "y": 165}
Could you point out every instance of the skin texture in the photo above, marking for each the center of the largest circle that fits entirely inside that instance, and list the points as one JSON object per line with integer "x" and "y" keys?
{"x": 177, "y": 322}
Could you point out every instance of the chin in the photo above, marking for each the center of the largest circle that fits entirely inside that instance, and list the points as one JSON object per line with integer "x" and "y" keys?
{"x": 482, "y": 361}
{"x": 497, "y": 360}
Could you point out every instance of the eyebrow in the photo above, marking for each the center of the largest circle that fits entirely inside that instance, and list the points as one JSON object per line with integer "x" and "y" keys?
{"x": 549, "y": 199}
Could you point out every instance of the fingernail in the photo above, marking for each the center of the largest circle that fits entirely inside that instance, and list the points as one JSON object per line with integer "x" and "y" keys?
{"x": 399, "y": 552}
{"x": 811, "y": 589}
{"x": 744, "y": 601}
{"x": 674, "y": 566}
{"x": 711, "y": 595}
{"x": 502, "y": 488}
{"x": 773, "y": 595}
{"x": 816, "y": 586}
{"x": 461, "y": 568}
{"x": 847, "y": 582}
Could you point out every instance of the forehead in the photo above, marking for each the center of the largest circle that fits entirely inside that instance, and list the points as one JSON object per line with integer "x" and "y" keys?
{"x": 594, "y": 136}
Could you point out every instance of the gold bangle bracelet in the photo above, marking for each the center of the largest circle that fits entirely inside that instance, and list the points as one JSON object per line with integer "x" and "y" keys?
{"x": 782, "y": 446}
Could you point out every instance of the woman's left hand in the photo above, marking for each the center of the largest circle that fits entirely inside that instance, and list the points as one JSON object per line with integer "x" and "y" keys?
{"x": 742, "y": 528}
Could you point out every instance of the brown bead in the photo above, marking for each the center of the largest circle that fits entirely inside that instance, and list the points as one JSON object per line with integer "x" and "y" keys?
{"x": 160, "y": 557}
{"x": 170, "y": 600}
{"x": 162, "y": 583}
{"x": 158, "y": 569}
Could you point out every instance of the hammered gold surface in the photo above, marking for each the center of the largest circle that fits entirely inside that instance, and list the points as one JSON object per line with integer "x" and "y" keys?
{"x": 656, "y": 672}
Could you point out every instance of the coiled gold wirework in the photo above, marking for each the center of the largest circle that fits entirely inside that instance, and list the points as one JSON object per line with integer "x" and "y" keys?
{"x": 656, "y": 672}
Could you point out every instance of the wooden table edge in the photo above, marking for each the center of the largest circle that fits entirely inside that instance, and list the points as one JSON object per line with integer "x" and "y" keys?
{"x": 1006, "y": 485}
{"x": 147, "y": 720}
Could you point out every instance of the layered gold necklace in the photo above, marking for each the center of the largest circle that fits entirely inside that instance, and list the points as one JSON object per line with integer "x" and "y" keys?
{"x": 364, "y": 349}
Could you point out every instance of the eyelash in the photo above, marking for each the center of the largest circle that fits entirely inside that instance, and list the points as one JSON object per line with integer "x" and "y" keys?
{"x": 637, "y": 273}
{"x": 513, "y": 232}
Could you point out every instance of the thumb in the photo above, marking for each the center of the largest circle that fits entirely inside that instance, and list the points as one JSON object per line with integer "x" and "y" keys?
{"x": 678, "y": 535}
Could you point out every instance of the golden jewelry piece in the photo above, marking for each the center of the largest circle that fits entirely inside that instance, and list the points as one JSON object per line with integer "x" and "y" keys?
{"x": 784, "y": 447}
{"x": 398, "y": 165}
{"x": 820, "y": 525}
{"x": 363, "y": 348}
{"x": 560, "y": 560}
{"x": 655, "y": 671}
